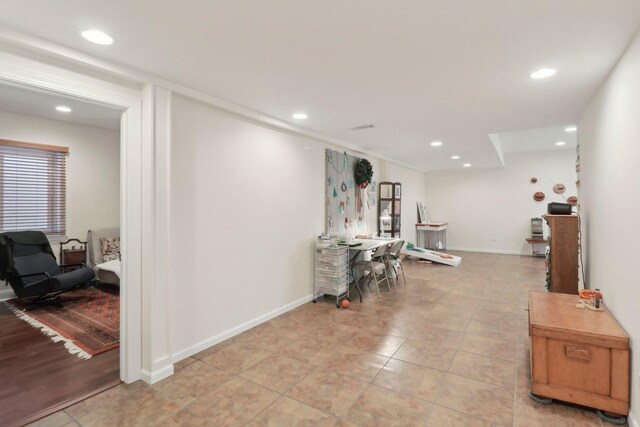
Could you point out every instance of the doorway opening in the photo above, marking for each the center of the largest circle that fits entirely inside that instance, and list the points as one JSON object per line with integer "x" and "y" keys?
{"x": 61, "y": 176}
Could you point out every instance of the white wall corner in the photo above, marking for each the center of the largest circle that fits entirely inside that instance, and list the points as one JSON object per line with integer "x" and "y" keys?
{"x": 632, "y": 420}
{"x": 383, "y": 173}
{"x": 155, "y": 243}
{"x": 497, "y": 144}
{"x": 203, "y": 345}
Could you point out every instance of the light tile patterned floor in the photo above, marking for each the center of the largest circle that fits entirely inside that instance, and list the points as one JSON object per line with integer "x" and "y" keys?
{"x": 449, "y": 348}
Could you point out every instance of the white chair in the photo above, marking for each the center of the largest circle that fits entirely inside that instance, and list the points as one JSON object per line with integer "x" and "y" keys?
{"x": 393, "y": 259}
{"x": 375, "y": 268}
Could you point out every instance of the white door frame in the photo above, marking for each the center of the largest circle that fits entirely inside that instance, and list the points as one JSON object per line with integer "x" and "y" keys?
{"x": 39, "y": 75}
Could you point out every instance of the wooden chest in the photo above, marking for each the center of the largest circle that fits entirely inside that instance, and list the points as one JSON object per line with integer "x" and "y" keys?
{"x": 577, "y": 355}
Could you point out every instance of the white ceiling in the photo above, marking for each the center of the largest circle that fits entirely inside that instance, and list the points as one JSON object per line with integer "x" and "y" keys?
{"x": 544, "y": 139}
{"x": 21, "y": 100}
{"x": 420, "y": 70}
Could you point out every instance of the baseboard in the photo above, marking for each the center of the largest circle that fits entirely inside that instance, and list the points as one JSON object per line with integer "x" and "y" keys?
{"x": 631, "y": 420}
{"x": 238, "y": 330}
{"x": 487, "y": 251}
{"x": 157, "y": 375}
{"x": 6, "y": 294}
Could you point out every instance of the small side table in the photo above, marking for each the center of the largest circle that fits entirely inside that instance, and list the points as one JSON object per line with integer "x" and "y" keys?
{"x": 534, "y": 242}
{"x": 75, "y": 255}
{"x": 432, "y": 232}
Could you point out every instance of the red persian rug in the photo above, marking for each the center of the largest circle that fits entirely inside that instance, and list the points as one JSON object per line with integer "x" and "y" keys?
{"x": 87, "y": 327}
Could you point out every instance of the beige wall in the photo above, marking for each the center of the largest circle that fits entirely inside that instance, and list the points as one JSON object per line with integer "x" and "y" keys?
{"x": 247, "y": 203}
{"x": 93, "y": 167}
{"x": 490, "y": 210}
{"x": 609, "y": 138}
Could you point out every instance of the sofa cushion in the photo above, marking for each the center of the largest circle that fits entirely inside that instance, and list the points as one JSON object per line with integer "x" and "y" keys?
{"x": 110, "y": 248}
{"x": 94, "y": 248}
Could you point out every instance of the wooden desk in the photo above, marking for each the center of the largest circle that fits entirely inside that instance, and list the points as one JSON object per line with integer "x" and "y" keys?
{"x": 577, "y": 355}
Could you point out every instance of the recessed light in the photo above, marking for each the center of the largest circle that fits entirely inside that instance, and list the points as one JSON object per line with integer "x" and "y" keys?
{"x": 97, "y": 37}
{"x": 63, "y": 109}
{"x": 560, "y": 143}
{"x": 299, "y": 116}
{"x": 571, "y": 129}
{"x": 455, "y": 157}
{"x": 543, "y": 73}
{"x": 436, "y": 143}
{"x": 467, "y": 165}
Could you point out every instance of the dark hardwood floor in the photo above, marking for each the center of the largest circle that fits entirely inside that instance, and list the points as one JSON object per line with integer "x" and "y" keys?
{"x": 38, "y": 376}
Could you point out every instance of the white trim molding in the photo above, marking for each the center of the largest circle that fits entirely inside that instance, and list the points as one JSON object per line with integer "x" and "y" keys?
{"x": 163, "y": 370}
{"x": 631, "y": 420}
{"x": 487, "y": 251}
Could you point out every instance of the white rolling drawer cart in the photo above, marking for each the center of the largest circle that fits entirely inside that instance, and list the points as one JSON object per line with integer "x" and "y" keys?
{"x": 331, "y": 271}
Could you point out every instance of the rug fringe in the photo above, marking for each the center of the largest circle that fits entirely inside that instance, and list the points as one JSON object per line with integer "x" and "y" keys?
{"x": 55, "y": 336}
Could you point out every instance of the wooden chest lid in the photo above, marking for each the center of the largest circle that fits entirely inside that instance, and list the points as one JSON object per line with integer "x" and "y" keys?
{"x": 556, "y": 313}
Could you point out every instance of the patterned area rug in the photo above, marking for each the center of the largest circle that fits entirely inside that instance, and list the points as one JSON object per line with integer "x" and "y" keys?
{"x": 87, "y": 327}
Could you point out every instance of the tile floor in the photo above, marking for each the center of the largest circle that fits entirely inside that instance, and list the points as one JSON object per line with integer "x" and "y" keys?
{"x": 450, "y": 348}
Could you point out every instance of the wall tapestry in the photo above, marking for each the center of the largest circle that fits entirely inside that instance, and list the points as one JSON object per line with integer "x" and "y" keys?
{"x": 346, "y": 202}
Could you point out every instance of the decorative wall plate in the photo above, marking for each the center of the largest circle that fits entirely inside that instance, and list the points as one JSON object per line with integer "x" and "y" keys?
{"x": 559, "y": 188}
{"x": 534, "y": 180}
{"x": 538, "y": 196}
{"x": 573, "y": 200}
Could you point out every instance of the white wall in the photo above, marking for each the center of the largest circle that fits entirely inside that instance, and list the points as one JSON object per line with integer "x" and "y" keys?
{"x": 609, "y": 135}
{"x": 247, "y": 203}
{"x": 490, "y": 210}
{"x": 93, "y": 167}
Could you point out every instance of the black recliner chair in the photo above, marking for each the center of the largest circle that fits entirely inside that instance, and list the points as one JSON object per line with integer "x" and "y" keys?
{"x": 28, "y": 263}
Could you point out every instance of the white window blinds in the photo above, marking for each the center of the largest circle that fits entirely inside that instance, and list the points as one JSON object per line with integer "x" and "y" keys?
{"x": 33, "y": 183}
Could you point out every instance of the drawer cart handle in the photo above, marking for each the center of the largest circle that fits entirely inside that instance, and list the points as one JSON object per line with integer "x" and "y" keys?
{"x": 576, "y": 352}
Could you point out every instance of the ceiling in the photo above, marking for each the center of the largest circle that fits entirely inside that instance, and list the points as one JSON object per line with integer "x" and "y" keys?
{"x": 531, "y": 140}
{"x": 21, "y": 100}
{"x": 448, "y": 70}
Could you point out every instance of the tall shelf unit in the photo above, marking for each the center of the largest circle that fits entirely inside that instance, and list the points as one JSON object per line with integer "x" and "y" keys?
{"x": 389, "y": 209}
{"x": 331, "y": 270}
{"x": 562, "y": 262}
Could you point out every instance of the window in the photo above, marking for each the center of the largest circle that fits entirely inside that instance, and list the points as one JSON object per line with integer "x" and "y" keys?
{"x": 33, "y": 181}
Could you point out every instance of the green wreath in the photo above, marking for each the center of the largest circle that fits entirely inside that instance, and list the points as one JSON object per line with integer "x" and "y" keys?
{"x": 363, "y": 173}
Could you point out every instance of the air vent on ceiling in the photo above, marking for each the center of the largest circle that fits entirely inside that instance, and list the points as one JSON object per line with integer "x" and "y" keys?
{"x": 362, "y": 127}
